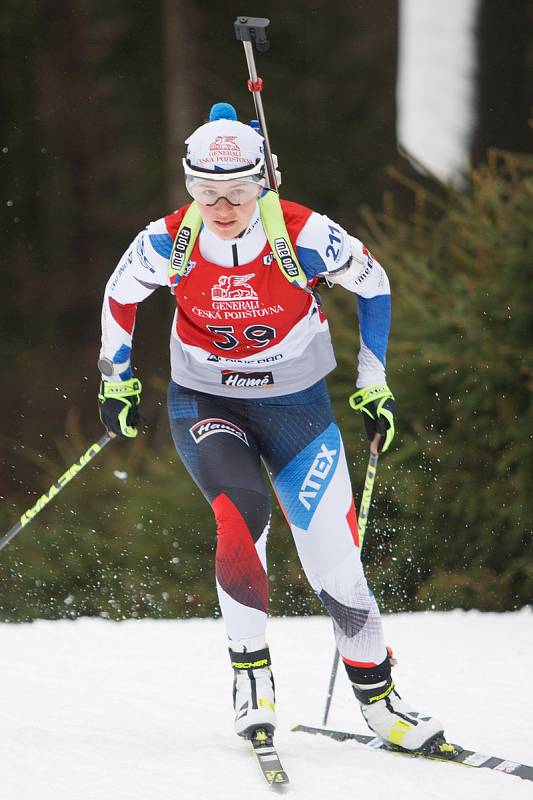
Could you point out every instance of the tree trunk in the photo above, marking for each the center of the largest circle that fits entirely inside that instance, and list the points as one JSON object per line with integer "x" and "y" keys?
{"x": 504, "y": 93}
{"x": 180, "y": 40}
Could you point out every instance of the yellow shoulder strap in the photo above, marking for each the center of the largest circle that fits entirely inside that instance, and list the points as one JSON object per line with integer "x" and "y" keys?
{"x": 278, "y": 237}
{"x": 183, "y": 243}
{"x": 275, "y": 229}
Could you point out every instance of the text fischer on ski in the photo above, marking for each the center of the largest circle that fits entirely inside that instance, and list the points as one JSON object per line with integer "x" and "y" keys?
{"x": 250, "y": 348}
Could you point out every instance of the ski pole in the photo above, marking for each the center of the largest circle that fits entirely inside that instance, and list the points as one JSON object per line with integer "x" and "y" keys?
{"x": 55, "y": 488}
{"x": 368, "y": 488}
{"x": 332, "y": 679}
{"x": 363, "y": 517}
{"x": 248, "y": 30}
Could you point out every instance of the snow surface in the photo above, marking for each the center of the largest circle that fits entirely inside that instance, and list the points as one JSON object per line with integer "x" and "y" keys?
{"x": 435, "y": 90}
{"x": 141, "y": 709}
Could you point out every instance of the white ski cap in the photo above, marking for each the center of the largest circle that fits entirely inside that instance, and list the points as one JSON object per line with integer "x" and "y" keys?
{"x": 224, "y": 149}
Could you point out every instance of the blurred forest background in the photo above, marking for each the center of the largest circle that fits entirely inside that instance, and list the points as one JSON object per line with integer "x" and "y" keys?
{"x": 96, "y": 99}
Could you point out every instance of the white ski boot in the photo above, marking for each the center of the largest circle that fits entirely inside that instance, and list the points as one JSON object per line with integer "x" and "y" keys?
{"x": 253, "y": 687}
{"x": 395, "y": 721}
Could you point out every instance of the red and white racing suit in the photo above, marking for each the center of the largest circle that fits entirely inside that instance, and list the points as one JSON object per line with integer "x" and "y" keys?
{"x": 249, "y": 352}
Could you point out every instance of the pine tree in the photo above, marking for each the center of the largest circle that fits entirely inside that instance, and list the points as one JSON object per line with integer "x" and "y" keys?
{"x": 461, "y": 365}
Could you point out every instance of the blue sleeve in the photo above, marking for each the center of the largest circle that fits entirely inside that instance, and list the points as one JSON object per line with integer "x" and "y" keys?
{"x": 374, "y": 323}
{"x": 311, "y": 262}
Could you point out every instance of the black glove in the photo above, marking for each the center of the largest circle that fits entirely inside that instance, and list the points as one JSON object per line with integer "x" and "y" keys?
{"x": 119, "y": 403}
{"x": 377, "y": 404}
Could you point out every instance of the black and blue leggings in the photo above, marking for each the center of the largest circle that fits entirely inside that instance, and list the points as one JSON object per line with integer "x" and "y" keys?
{"x": 222, "y": 442}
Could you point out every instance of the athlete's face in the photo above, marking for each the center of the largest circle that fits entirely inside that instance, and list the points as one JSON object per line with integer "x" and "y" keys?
{"x": 225, "y": 220}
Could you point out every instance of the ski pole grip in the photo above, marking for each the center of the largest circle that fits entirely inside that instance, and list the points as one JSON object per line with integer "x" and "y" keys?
{"x": 253, "y": 29}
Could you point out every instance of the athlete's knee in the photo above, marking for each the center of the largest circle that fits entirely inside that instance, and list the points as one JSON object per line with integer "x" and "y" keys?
{"x": 238, "y": 509}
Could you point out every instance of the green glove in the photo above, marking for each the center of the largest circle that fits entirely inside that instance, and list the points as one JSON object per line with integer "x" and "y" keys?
{"x": 376, "y": 402}
{"x": 119, "y": 402}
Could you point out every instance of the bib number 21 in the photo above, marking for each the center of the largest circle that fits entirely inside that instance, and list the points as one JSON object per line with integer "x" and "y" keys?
{"x": 259, "y": 335}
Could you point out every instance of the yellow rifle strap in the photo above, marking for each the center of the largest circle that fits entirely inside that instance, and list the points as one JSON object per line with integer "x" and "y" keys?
{"x": 278, "y": 237}
{"x": 275, "y": 229}
{"x": 184, "y": 242}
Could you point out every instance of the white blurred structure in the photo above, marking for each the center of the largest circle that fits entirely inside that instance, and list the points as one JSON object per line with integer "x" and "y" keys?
{"x": 435, "y": 90}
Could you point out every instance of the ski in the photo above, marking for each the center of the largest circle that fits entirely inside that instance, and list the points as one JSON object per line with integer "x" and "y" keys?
{"x": 268, "y": 758}
{"x": 444, "y": 752}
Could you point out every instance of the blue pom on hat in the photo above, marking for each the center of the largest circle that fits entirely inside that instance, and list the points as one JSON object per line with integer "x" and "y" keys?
{"x": 222, "y": 111}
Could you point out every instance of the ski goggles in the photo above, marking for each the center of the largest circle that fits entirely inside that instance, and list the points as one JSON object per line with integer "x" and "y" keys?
{"x": 236, "y": 192}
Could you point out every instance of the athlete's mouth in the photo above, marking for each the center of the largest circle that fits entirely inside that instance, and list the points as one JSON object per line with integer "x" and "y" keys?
{"x": 225, "y": 223}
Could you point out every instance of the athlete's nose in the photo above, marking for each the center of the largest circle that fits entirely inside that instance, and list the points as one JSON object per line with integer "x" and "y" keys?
{"x": 225, "y": 202}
